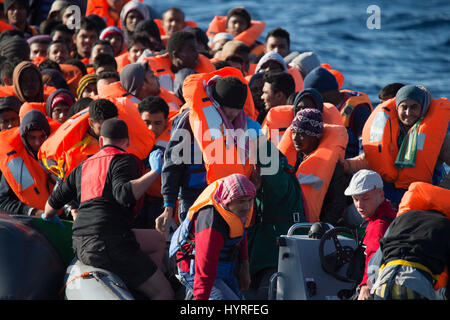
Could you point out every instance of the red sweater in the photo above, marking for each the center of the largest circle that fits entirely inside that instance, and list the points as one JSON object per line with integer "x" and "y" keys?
{"x": 375, "y": 231}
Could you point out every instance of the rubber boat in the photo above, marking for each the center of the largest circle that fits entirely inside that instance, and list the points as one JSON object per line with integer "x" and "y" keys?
{"x": 31, "y": 267}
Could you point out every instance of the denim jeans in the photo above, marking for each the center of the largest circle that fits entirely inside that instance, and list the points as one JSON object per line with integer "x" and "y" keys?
{"x": 223, "y": 289}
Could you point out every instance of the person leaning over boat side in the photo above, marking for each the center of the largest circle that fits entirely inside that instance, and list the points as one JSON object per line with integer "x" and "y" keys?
{"x": 212, "y": 239}
{"x": 416, "y": 247}
{"x": 109, "y": 186}
{"x": 366, "y": 189}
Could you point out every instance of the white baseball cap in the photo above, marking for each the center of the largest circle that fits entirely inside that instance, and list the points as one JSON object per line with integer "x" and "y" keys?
{"x": 362, "y": 181}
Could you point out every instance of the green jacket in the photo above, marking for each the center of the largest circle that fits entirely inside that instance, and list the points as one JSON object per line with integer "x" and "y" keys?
{"x": 279, "y": 205}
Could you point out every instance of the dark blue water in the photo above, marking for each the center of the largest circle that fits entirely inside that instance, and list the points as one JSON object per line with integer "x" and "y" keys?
{"x": 412, "y": 46}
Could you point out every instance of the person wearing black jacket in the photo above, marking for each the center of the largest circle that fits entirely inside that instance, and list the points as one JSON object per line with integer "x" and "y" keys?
{"x": 108, "y": 186}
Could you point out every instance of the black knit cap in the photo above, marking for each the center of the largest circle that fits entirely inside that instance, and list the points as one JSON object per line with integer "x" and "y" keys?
{"x": 9, "y": 3}
{"x": 230, "y": 92}
{"x": 114, "y": 128}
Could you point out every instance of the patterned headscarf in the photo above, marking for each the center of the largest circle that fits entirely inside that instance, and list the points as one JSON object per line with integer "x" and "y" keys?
{"x": 308, "y": 121}
{"x": 233, "y": 187}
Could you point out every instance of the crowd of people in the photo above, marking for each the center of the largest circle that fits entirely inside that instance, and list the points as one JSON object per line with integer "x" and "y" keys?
{"x": 181, "y": 154}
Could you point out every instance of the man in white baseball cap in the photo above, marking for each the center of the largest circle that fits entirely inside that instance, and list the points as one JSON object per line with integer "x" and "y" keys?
{"x": 366, "y": 189}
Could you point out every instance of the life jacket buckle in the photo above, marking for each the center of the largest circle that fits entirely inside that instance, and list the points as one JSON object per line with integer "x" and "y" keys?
{"x": 296, "y": 216}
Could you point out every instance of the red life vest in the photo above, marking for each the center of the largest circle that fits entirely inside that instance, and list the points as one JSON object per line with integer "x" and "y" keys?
{"x": 94, "y": 172}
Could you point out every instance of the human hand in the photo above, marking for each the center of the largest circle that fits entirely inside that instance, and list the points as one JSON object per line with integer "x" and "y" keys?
{"x": 55, "y": 219}
{"x": 74, "y": 213}
{"x": 156, "y": 160}
{"x": 364, "y": 293}
{"x": 163, "y": 219}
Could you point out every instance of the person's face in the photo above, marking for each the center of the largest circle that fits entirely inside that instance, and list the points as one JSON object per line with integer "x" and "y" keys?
{"x": 90, "y": 90}
{"x": 241, "y": 206}
{"x": 59, "y": 53}
{"x": 107, "y": 67}
{"x": 38, "y": 50}
{"x": 9, "y": 119}
{"x": 236, "y": 24}
{"x": 84, "y": 41}
{"x": 304, "y": 143}
{"x": 231, "y": 113}
{"x": 256, "y": 87}
{"x": 27, "y": 81}
{"x": 306, "y": 102}
{"x": 239, "y": 61}
{"x": 132, "y": 19}
{"x": 409, "y": 112}
{"x": 136, "y": 51}
{"x": 116, "y": 42}
{"x": 100, "y": 48}
{"x": 173, "y": 21}
{"x": 34, "y": 139}
{"x": 59, "y": 112}
{"x": 95, "y": 126}
{"x": 64, "y": 36}
{"x": 271, "y": 99}
{"x": 17, "y": 15}
{"x": 367, "y": 203}
{"x": 155, "y": 122}
{"x": 150, "y": 87}
{"x": 187, "y": 56}
{"x": 277, "y": 44}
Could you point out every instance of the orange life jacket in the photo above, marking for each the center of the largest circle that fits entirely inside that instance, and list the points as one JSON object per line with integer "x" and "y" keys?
{"x": 380, "y": 134}
{"x": 206, "y": 198}
{"x": 6, "y": 91}
{"x": 115, "y": 93}
{"x": 122, "y": 60}
{"x": 425, "y": 196}
{"x": 204, "y": 116}
{"x": 351, "y": 104}
{"x": 24, "y": 174}
{"x": 71, "y": 144}
{"x": 285, "y": 117}
{"x": 337, "y": 74}
{"x": 171, "y": 99}
{"x": 249, "y": 36}
{"x": 161, "y": 66}
{"x": 72, "y": 74}
{"x": 164, "y": 36}
{"x": 320, "y": 165}
{"x": 100, "y": 8}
